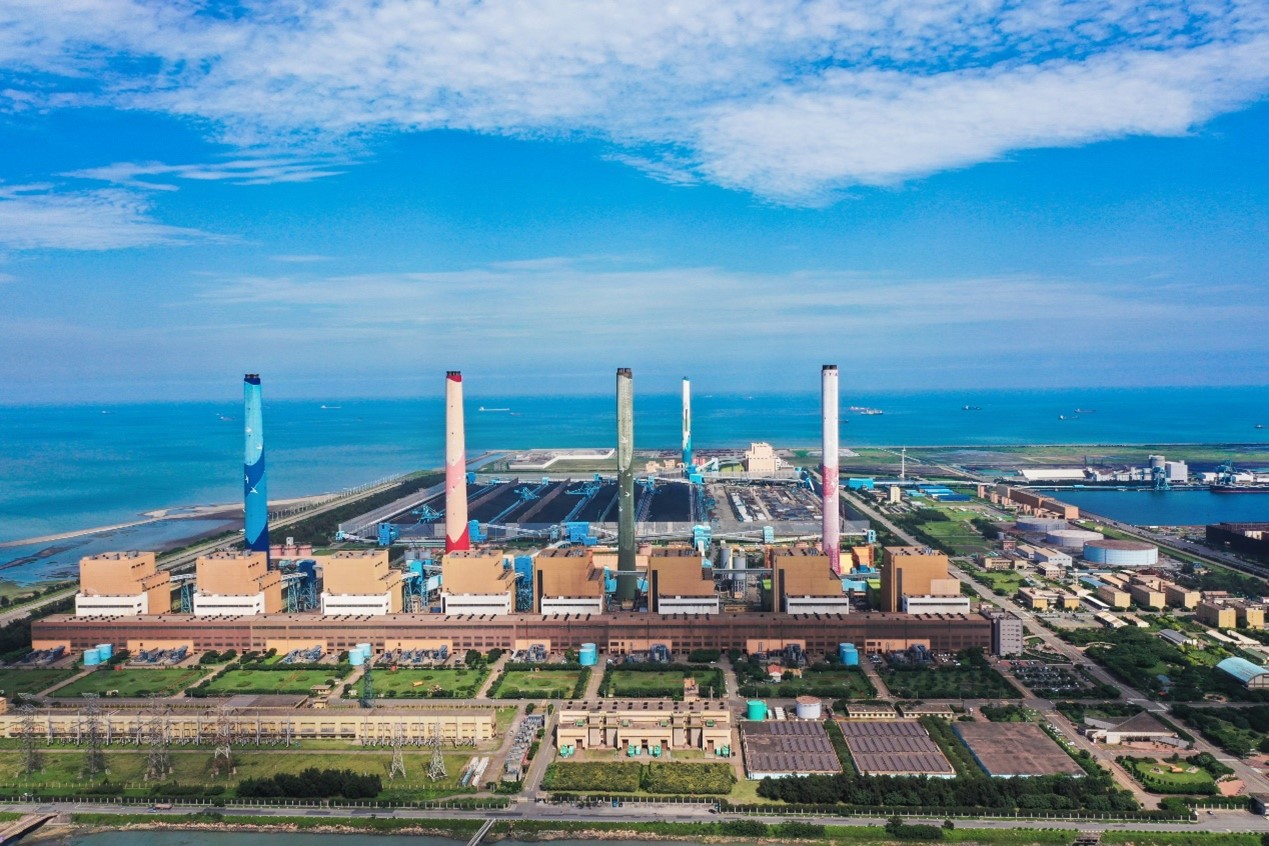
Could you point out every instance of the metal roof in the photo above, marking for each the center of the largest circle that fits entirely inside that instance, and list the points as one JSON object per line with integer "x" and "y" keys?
{"x": 1241, "y": 669}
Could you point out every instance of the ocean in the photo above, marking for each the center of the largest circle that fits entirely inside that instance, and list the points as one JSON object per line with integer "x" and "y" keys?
{"x": 66, "y": 468}
{"x": 1170, "y": 508}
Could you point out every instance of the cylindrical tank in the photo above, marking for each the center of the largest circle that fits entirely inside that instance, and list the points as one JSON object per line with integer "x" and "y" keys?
{"x": 1041, "y": 524}
{"x": 848, "y": 654}
{"x": 757, "y": 709}
{"x": 809, "y": 708}
{"x": 366, "y": 651}
{"x": 92, "y": 657}
{"x": 588, "y": 656}
{"x": 1121, "y": 553}
{"x": 105, "y": 651}
{"x": 356, "y": 657}
{"x": 1071, "y": 538}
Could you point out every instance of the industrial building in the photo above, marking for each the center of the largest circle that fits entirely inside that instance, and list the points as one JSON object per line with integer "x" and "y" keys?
{"x": 783, "y": 748}
{"x": 566, "y": 581}
{"x": 1114, "y": 596}
{"x": 1012, "y": 750}
{"x": 894, "y": 747}
{"x": 122, "y": 583}
{"x": 1250, "y": 539}
{"x": 1138, "y": 728}
{"x": 359, "y": 582}
{"x": 1147, "y": 596}
{"x": 1251, "y": 676}
{"x": 761, "y": 460}
{"x": 1121, "y": 553}
{"x": 935, "y": 604}
{"x": 477, "y": 582}
{"x": 642, "y": 726}
{"x": 615, "y": 633}
{"x": 1032, "y": 504}
{"x": 125, "y": 721}
{"x": 1180, "y": 597}
{"x": 1216, "y": 615}
{"x": 1007, "y": 635}
{"x": 236, "y": 583}
{"x": 804, "y": 582}
{"x": 680, "y": 582}
{"x": 914, "y": 571}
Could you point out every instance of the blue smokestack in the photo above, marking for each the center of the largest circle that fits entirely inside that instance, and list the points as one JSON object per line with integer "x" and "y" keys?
{"x": 255, "y": 490}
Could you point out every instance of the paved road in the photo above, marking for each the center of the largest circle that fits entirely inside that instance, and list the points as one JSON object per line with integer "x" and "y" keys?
{"x": 1219, "y": 821}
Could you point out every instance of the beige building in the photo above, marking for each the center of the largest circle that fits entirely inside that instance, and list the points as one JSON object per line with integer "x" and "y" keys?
{"x": 1114, "y": 597}
{"x": 236, "y": 583}
{"x": 1147, "y": 597}
{"x": 1217, "y": 616}
{"x": 914, "y": 571}
{"x": 997, "y": 563}
{"x": 1180, "y": 597}
{"x": 477, "y": 582}
{"x": 124, "y": 584}
{"x": 679, "y": 583}
{"x": 804, "y": 583}
{"x": 644, "y": 724}
{"x": 122, "y": 722}
{"x": 566, "y": 581}
{"x": 1248, "y": 615}
{"x": 761, "y": 460}
{"x": 1036, "y": 599}
{"x": 359, "y": 582}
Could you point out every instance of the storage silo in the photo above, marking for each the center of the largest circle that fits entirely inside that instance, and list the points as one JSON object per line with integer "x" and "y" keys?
{"x": 1121, "y": 553}
{"x": 809, "y": 708}
{"x": 757, "y": 710}
{"x": 92, "y": 657}
{"x": 1040, "y": 524}
{"x": 588, "y": 656}
{"x": 106, "y": 651}
{"x": 1071, "y": 538}
{"x": 848, "y": 654}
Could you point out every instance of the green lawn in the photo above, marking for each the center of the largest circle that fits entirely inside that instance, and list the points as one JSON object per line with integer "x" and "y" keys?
{"x": 657, "y": 684}
{"x": 835, "y": 684}
{"x": 271, "y": 681}
{"x": 1159, "y": 776}
{"x": 30, "y": 681}
{"x": 959, "y": 534}
{"x": 407, "y": 683}
{"x": 537, "y": 684}
{"x": 949, "y": 683}
{"x": 161, "y": 682}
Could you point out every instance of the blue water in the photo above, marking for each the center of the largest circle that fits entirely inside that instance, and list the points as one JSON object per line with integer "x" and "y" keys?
{"x": 71, "y": 467}
{"x": 1171, "y": 508}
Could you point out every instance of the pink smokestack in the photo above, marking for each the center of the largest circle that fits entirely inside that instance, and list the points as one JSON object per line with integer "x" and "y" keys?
{"x": 828, "y": 470}
{"x": 457, "y": 533}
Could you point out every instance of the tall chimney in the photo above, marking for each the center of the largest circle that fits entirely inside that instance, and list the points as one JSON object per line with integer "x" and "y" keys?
{"x": 625, "y": 486}
{"x": 457, "y": 531}
{"x": 831, "y": 539}
{"x": 255, "y": 489}
{"x": 687, "y": 424}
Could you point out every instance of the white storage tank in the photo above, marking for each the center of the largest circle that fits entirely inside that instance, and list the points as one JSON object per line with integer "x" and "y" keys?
{"x": 1121, "y": 553}
{"x": 1071, "y": 538}
{"x": 1040, "y": 524}
{"x": 809, "y": 708}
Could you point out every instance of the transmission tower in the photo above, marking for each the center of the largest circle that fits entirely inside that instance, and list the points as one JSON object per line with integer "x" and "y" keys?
{"x": 368, "y": 685}
{"x": 398, "y": 760}
{"x": 436, "y": 769}
{"x": 158, "y": 763}
{"x": 223, "y": 757}
{"x": 32, "y": 758}
{"x": 94, "y": 757}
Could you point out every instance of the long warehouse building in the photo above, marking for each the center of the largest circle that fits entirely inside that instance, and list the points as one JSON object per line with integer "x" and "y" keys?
{"x": 617, "y": 633}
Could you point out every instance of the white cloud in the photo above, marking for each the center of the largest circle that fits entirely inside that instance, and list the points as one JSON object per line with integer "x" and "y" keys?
{"x": 34, "y": 217}
{"x": 245, "y": 171}
{"x": 791, "y": 99}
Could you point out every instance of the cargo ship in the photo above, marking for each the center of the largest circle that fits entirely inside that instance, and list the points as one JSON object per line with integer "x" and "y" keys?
{"x": 1239, "y": 489}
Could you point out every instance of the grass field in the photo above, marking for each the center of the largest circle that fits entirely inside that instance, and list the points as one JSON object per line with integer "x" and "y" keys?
{"x": 270, "y": 681}
{"x": 160, "y": 682}
{"x": 649, "y": 684}
{"x": 958, "y": 534}
{"x": 538, "y": 684}
{"x": 63, "y": 767}
{"x": 836, "y": 684}
{"x": 30, "y": 681}
{"x": 1160, "y": 776}
{"x": 407, "y": 683}
{"x": 1004, "y": 583}
{"x": 949, "y": 683}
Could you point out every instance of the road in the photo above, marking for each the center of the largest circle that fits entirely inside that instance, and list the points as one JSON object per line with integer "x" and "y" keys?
{"x": 1219, "y": 821}
{"x": 1254, "y": 780}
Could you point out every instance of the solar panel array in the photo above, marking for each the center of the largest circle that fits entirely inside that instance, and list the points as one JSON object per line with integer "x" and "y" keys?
{"x": 894, "y": 747}
{"x": 787, "y": 746}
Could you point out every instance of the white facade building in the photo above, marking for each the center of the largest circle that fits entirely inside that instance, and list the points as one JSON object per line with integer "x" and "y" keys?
{"x": 936, "y": 604}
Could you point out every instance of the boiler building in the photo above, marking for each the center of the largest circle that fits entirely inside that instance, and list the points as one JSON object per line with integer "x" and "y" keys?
{"x": 236, "y": 583}
{"x": 359, "y": 582}
{"x": 679, "y": 583}
{"x": 804, "y": 582}
{"x": 122, "y": 584}
{"x": 566, "y": 581}
{"x": 477, "y": 582}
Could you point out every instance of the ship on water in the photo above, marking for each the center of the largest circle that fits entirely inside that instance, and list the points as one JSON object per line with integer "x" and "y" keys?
{"x": 1238, "y": 489}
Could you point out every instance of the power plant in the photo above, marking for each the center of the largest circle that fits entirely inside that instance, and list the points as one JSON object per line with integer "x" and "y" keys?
{"x": 573, "y": 587}
{"x": 254, "y": 481}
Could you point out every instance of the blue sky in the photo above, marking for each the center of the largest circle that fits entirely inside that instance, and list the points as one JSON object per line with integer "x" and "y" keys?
{"x": 353, "y": 197}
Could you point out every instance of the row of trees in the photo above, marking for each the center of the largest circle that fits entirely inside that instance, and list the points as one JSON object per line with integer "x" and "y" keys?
{"x": 1057, "y": 793}
{"x": 312, "y": 783}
